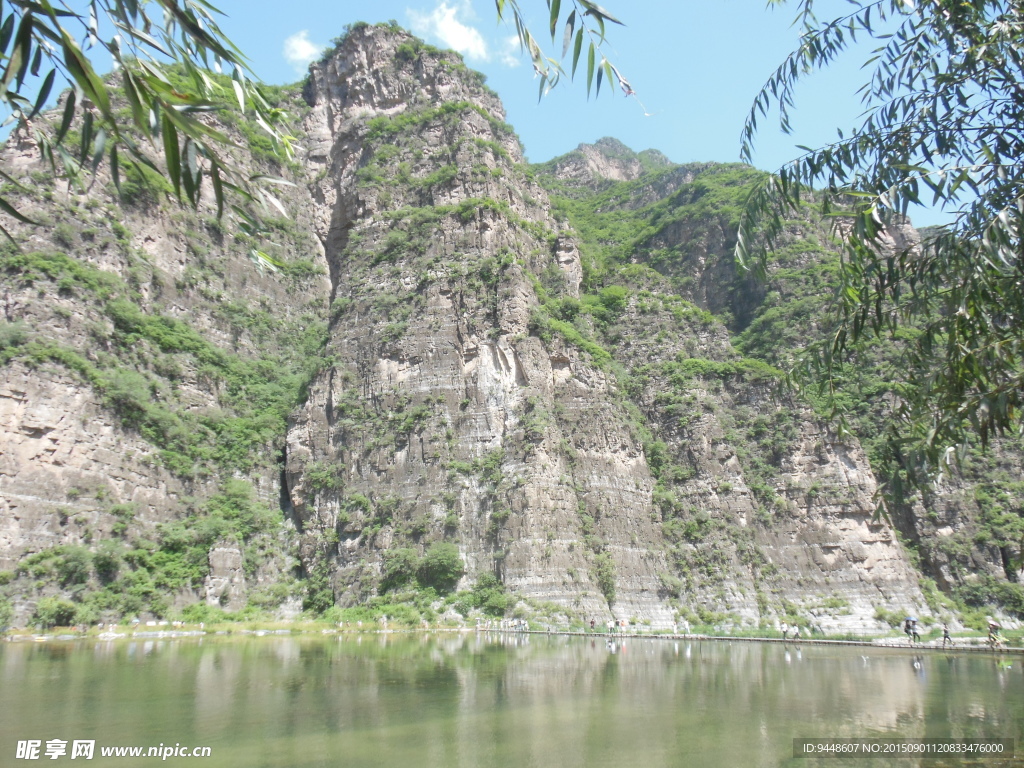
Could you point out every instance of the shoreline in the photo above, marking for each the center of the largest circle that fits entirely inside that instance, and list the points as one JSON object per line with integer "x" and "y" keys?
{"x": 179, "y": 634}
{"x": 884, "y": 643}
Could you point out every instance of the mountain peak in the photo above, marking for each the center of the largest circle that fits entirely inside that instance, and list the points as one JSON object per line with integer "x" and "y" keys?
{"x": 607, "y": 159}
{"x": 382, "y": 68}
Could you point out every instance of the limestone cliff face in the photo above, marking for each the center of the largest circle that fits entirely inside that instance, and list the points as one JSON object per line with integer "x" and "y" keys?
{"x": 453, "y": 412}
{"x": 144, "y": 358}
{"x": 444, "y": 417}
{"x": 437, "y": 362}
{"x": 761, "y": 505}
{"x": 59, "y": 439}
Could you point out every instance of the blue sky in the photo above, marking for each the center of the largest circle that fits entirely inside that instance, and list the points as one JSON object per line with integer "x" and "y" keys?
{"x": 696, "y": 66}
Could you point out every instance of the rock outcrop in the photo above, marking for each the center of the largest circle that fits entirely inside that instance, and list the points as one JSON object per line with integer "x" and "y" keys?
{"x": 440, "y": 366}
{"x": 454, "y": 413}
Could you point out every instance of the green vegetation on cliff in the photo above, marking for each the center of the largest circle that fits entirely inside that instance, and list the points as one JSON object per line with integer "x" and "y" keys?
{"x": 144, "y": 353}
{"x": 470, "y": 410}
{"x": 679, "y": 224}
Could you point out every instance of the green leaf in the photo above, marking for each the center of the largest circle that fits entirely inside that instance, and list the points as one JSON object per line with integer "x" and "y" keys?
{"x": 71, "y": 165}
{"x": 262, "y": 260}
{"x": 21, "y": 53}
{"x": 11, "y": 211}
{"x": 28, "y": 42}
{"x": 82, "y": 72}
{"x": 37, "y": 61}
{"x": 590, "y": 68}
{"x": 534, "y": 49}
{"x": 69, "y": 114}
{"x": 190, "y": 173}
{"x": 10, "y": 237}
{"x": 100, "y": 148}
{"x": 577, "y": 49}
{"x": 171, "y": 155}
{"x": 273, "y": 201}
{"x": 44, "y": 93}
{"x": 570, "y": 25}
{"x": 239, "y": 94}
{"x": 115, "y": 168}
{"x": 86, "y": 136}
{"x": 194, "y": 128}
{"x": 6, "y": 30}
{"x": 139, "y": 35}
{"x": 134, "y": 101}
{"x": 556, "y": 7}
{"x": 218, "y": 187}
{"x": 199, "y": 37}
{"x": 264, "y": 179}
{"x": 191, "y": 164}
{"x": 596, "y": 10}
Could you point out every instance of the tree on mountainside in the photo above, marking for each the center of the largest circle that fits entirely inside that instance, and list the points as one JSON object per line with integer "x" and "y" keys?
{"x": 6, "y": 614}
{"x": 944, "y": 124}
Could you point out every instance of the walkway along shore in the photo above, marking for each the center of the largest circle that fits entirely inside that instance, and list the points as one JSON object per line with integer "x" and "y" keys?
{"x": 886, "y": 643}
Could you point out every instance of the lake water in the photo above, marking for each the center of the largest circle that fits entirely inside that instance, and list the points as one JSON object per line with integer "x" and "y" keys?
{"x": 489, "y": 700}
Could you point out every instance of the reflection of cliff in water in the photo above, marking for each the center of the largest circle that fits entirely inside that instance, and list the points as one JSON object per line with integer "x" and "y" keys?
{"x": 481, "y": 700}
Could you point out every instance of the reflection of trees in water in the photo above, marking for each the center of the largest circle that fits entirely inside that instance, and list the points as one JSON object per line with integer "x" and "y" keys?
{"x": 451, "y": 699}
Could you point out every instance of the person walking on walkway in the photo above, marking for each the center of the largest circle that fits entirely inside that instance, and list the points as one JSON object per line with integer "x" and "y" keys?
{"x": 994, "y": 638}
{"x": 945, "y": 636}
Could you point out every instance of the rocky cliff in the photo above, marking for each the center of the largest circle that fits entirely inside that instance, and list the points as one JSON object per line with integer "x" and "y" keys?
{"x": 459, "y": 409}
{"x": 462, "y": 381}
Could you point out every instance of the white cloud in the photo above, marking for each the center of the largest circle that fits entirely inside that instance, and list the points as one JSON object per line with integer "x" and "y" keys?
{"x": 442, "y": 24}
{"x": 300, "y": 51}
{"x": 510, "y": 53}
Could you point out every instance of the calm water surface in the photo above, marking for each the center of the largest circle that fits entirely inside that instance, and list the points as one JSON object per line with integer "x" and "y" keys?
{"x": 480, "y": 701}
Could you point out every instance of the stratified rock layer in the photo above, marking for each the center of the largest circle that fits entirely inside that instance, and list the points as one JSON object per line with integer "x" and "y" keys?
{"x": 451, "y": 404}
{"x": 448, "y": 415}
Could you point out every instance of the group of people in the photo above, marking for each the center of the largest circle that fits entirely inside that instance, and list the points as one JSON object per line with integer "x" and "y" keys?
{"x": 504, "y": 625}
{"x": 620, "y": 625}
{"x": 785, "y": 631}
{"x": 910, "y": 630}
{"x": 913, "y": 636}
{"x": 611, "y": 626}
{"x": 994, "y": 638}
{"x": 910, "y": 627}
